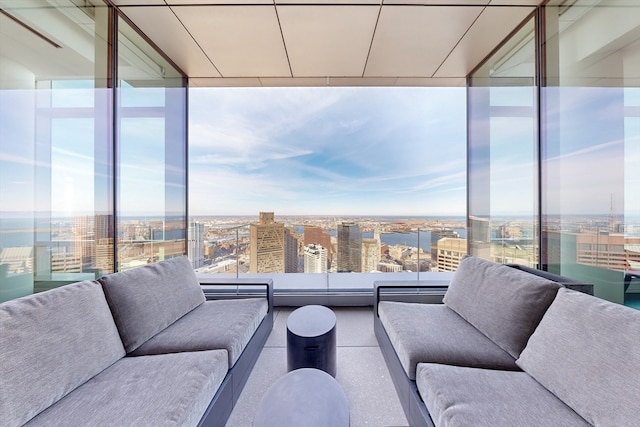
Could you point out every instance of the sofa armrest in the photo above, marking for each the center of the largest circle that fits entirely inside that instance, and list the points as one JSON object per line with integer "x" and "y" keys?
{"x": 423, "y": 291}
{"x": 232, "y": 288}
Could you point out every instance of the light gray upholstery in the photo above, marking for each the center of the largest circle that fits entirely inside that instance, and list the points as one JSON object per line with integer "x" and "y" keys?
{"x": 227, "y": 324}
{"x": 587, "y": 352}
{"x": 464, "y": 397}
{"x": 162, "y": 390}
{"x": 146, "y": 300}
{"x": 435, "y": 333}
{"x": 51, "y": 343}
{"x": 504, "y": 303}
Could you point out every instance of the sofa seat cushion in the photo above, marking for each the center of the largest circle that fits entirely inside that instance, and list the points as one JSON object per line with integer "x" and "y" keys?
{"x": 145, "y": 300}
{"x": 587, "y": 352}
{"x": 435, "y": 333}
{"x": 462, "y": 397}
{"x": 163, "y": 390}
{"x": 51, "y": 343}
{"x": 222, "y": 324}
{"x": 504, "y": 303}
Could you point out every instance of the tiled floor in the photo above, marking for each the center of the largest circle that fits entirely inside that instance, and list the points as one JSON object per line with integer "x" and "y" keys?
{"x": 361, "y": 371}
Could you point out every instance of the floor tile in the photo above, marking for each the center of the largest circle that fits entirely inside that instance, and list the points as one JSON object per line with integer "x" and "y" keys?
{"x": 361, "y": 371}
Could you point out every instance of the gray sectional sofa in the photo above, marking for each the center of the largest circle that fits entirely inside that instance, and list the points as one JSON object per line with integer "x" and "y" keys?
{"x": 142, "y": 347}
{"x": 511, "y": 348}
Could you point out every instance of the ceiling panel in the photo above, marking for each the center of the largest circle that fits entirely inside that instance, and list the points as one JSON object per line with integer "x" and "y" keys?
{"x": 241, "y": 41}
{"x": 162, "y": 26}
{"x": 432, "y": 82}
{"x": 218, "y": 2}
{"x": 515, "y": 2}
{"x": 138, "y": 2}
{"x": 412, "y": 41}
{"x": 482, "y": 38}
{"x": 324, "y": 2}
{"x": 438, "y": 2}
{"x": 226, "y": 82}
{"x": 327, "y": 40}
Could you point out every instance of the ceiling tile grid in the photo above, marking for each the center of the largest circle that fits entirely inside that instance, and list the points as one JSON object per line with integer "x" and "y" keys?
{"x": 327, "y": 42}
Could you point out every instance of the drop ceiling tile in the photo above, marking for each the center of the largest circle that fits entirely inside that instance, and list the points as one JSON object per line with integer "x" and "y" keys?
{"x": 224, "y": 82}
{"x": 438, "y": 2}
{"x": 327, "y": 40}
{"x": 362, "y": 81}
{"x": 293, "y": 81}
{"x": 340, "y": 2}
{"x": 490, "y": 29}
{"x": 412, "y": 41}
{"x": 241, "y": 41}
{"x": 217, "y": 2}
{"x": 139, "y": 2}
{"x": 515, "y": 2}
{"x": 166, "y": 31}
{"x": 432, "y": 82}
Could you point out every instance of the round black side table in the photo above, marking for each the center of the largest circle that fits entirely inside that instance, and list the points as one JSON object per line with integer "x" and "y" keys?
{"x": 305, "y": 397}
{"x": 311, "y": 339}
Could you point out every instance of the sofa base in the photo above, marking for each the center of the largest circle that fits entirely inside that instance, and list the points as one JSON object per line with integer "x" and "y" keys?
{"x": 414, "y": 408}
{"x": 228, "y": 394}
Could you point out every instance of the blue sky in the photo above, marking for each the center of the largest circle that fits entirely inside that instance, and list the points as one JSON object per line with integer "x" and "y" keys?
{"x": 327, "y": 151}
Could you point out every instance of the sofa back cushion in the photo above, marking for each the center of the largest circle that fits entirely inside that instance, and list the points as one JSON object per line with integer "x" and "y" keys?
{"x": 51, "y": 343}
{"x": 504, "y": 303}
{"x": 586, "y": 351}
{"x": 146, "y": 300}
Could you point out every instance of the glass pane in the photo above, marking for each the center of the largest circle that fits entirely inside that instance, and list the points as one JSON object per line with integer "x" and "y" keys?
{"x": 151, "y": 192}
{"x": 277, "y": 175}
{"x": 591, "y": 135}
{"x": 55, "y": 145}
{"x": 503, "y": 154}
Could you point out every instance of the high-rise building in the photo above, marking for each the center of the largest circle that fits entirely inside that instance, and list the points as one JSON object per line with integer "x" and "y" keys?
{"x": 315, "y": 234}
{"x": 349, "y": 247}
{"x": 370, "y": 254}
{"x": 195, "y": 244}
{"x": 84, "y": 235}
{"x": 315, "y": 258}
{"x": 103, "y": 260}
{"x": 290, "y": 251}
{"x": 437, "y": 235}
{"x": 267, "y": 245}
{"x": 450, "y": 252}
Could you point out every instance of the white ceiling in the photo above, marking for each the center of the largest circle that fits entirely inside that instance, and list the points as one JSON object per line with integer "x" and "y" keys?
{"x": 327, "y": 42}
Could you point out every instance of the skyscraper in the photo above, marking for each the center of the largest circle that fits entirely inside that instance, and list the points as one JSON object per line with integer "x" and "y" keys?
{"x": 195, "y": 242}
{"x": 267, "y": 245}
{"x": 315, "y": 234}
{"x": 349, "y": 247}
{"x": 450, "y": 252}
{"x": 370, "y": 254}
{"x": 290, "y": 251}
{"x": 315, "y": 259}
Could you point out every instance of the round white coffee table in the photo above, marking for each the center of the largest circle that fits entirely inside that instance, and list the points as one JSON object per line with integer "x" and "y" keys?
{"x": 306, "y": 397}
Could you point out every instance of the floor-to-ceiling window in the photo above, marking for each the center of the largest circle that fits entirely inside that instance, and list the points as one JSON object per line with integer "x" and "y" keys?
{"x": 151, "y": 154}
{"x": 55, "y": 109}
{"x": 502, "y": 153}
{"x": 57, "y": 179}
{"x": 591, "y": 145}
{"x": 327, "y": 180}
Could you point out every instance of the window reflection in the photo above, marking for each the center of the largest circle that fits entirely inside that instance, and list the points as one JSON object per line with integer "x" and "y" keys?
{"x": 590, "y": 147}
{"x": 151, "y": 202}
{"x": 502, "y": 154}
